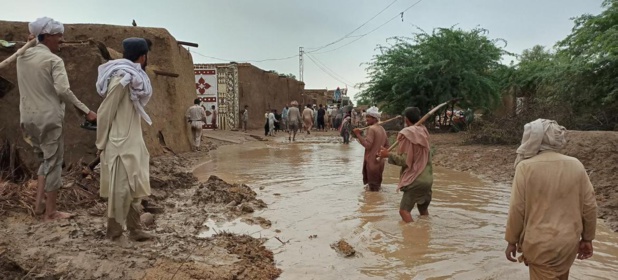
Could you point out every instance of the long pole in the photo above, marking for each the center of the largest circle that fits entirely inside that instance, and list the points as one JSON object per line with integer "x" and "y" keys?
{"x": 19, "y": 52}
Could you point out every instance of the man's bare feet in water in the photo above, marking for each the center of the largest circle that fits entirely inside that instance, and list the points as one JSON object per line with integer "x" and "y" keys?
{"x": 58, "y": 216}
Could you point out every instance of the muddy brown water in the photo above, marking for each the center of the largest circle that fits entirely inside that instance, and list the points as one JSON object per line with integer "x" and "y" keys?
{"x": 314, "y": 187}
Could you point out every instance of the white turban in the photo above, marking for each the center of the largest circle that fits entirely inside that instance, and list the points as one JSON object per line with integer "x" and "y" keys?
{"x": 374, "y": 112}
{"x": 540, "y": 135}
{"x": 45, "y": 25}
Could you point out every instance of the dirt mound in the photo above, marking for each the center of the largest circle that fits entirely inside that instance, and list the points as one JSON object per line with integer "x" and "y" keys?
{"x": 217, "y": 191}
{"x": 344, "y": 248}
{"x": 256, "y": 260}
{"x": 171, "y": 172}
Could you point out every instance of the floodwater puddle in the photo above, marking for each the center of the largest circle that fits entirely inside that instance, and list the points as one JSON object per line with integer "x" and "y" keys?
{"x": 315, "y": 197}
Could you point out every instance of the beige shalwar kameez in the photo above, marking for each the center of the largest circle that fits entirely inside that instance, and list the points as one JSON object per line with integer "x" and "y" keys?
{"x": 372, "y": 167}
{"x": 196, "y": 115}
{"x": 552, "y": 208}
{"x": 125, "y": 159}
{"x": 44, "y": 89}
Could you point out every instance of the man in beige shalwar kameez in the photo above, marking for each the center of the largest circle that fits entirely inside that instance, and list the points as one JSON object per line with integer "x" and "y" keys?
{"x": 196, "y": 116}
{"x": 125, "y": 177}
{"x": 44, "y": 90}
{"x": 553, "y": 211}
{"x": 375, "y": 139}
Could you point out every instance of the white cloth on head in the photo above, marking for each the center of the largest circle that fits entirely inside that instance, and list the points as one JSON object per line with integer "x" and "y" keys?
{"x": 131, "y": 73}
{"x": 45, "y": 25}
{"x": 540, "y": 135}
{"x": 374, "y": 112}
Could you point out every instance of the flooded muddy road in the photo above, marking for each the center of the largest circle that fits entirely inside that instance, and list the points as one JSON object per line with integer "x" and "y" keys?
{"x": 314, "y": 188}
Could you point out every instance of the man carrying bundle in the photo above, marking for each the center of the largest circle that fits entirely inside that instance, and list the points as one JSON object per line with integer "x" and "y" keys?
{"x": 414, "y": 157}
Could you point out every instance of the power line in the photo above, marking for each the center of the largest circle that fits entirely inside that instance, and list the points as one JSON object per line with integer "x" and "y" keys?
{"x": 330, "y": 70}
{"x": 259, "y": 60}
{"x": 325, "y": 71}
{"x": 350, "y": 33}
{"x": 373, "y": 30}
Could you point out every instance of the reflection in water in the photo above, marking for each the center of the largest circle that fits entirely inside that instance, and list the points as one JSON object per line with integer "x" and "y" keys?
{"x": 319, "y": 192}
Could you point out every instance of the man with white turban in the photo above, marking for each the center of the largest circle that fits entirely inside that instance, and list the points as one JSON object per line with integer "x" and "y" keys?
{"x": 125, "y": 161}
{"x": 375, "y": 139}
{"x": 44, "y": 90}
{"x": 553, "y": 211}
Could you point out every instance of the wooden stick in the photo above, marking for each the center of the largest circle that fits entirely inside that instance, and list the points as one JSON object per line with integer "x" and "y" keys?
{"x": 195, "y": 45}
{"x": 425, "y": 117}
{"x": 19, "y": 52}
{"x": 381, "y": 123}
{"x": 169, "y": 74}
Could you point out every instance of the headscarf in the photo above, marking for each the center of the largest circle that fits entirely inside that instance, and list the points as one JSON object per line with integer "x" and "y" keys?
{"x": 294, "y": 103}
{"x": 45, "y": 25}
{"x": 540, "y": 135}
{"x": 374, "y": 112}
{"x": 414, "y": 142}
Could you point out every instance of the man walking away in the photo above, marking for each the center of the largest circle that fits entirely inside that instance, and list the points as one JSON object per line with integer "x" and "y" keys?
{"x": 284, "y": 118}
{"x": 245, "y": 118}
{"x": 375, "y": 139}
{"x": 196, "y": 116}
{"x": 294, "y": 119}
{"x": 125, "y": 161}
{"x": 414, "y": 157}
{"x": 308, "y": 118}
{"x": 44, "y": 90}
{"x": 271, "y": 123}
{"x": 338, "y": 117}
{"x": 346, "y": 129}
{"x": 214, "y": 117}
{"x": 321, "y": 114}
{"x": 553, "y": 211}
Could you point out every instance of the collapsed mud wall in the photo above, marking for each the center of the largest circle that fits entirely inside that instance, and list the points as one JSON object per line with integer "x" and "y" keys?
{"x": 262, "y": 91}
{"x": 166, "y": 108}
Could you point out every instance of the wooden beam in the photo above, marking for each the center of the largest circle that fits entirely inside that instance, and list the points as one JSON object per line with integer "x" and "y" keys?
{"x": 169, "y": 74}
{"x": 195, "y": 45}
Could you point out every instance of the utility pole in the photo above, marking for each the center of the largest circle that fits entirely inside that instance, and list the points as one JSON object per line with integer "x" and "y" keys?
{"x": 301, "y": 65}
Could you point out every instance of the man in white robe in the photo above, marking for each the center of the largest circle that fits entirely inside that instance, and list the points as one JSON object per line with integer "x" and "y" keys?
{"x": 125, "y": 177}
{"x": 44, "y": 90}
{"x": 553, "y": 211}
{"x": 196, "y": 116}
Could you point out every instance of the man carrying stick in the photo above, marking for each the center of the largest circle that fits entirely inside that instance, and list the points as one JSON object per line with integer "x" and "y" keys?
{"x": 414, "y": 157}
{"x": 376, "y": 138}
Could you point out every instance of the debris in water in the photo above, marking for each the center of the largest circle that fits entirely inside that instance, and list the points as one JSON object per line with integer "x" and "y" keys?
{"x": 342, "y": 247}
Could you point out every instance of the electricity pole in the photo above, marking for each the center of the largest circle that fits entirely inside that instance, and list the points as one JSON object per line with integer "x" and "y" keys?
{"x": 301, "y": 65}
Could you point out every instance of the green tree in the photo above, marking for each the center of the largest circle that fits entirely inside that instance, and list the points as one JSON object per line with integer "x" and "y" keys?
{"x": 428, "y": 69}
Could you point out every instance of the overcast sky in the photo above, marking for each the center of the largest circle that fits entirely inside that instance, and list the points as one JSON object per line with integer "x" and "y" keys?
{"x": 253, "y": 30}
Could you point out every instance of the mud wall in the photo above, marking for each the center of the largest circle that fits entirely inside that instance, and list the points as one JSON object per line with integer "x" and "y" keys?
{"x": 263, "y": 91}
{"x": 170, "y": 99}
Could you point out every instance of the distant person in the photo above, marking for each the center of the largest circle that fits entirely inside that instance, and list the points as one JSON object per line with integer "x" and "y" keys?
{"x": 315, "y": 116}
{"x": 278, "y": 122}
{"x": 266, "y": 124}
{"x": 346, "y": 129}
{"x": 214, "y": 117}
{"x": 376, "y": 138}
{"x": 363, "y": 122}
{"x": 245, "y": 118}
{"x": 284, "y": 118}
{"x": 553, "y": 211}
{"x": 329, "y": 119}
{"x": 294, "y": 119}
{"x": 44, "y": 90}
{"x": 308, "y": 118}
{"x": 321, "y": 114}
{"x": 338, "y": 116}
{"x": 196, "y": 116}
{"x": 414, "y": 157}
{"x": 271, "y": 123}
{"x": 125, "y": 161}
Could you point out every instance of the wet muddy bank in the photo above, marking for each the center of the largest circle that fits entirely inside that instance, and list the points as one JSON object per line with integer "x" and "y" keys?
{"x": 178, "y": 211}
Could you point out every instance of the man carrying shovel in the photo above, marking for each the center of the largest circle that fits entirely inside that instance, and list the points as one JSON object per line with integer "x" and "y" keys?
{"x": 376, "y": 138}
{"x": 414, "y": 157}
{"x": 44, "y": 90}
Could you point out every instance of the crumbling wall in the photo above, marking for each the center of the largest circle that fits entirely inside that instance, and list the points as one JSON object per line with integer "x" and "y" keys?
{"x": 262, "y": 91}
{"x": 170, "y": 99}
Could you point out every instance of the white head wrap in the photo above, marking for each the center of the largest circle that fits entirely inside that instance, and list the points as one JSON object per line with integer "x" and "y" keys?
{"x": 374, "y": 112}
{"x": 540, "y": 135}
{"x": 45, "y": 25}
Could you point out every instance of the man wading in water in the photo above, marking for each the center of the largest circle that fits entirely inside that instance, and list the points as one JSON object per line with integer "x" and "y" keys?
{"x": 376, "y": 138}
{"x": 414, "y": 157}
{"x": 553, "y": 211}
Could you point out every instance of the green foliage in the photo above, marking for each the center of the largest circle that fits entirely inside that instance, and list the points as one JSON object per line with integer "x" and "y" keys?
{"x": 429, "y": 69}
